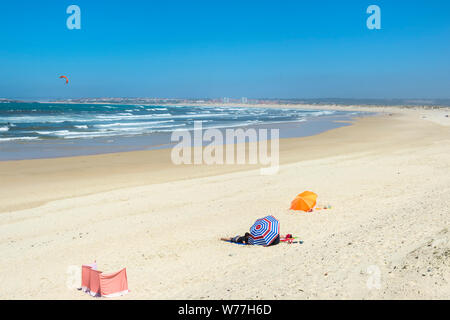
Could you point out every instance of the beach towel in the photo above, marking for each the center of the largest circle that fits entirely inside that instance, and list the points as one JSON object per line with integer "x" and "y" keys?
{"x": 94, "y": 282}
{"x": 85, "y": 275}
{"x": 114, "y": 284}
{"x": 99, "y": 284}
{"x": 85, "y": 272}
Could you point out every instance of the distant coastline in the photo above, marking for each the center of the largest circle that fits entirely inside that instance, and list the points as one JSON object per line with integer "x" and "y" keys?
{"x": 425, "y": 103}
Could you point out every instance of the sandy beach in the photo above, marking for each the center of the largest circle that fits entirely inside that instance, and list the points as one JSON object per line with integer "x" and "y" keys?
{"x": 386, "y": 236}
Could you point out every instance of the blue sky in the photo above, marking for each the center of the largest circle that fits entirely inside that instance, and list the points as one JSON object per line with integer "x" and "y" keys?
{"x": 272, "y": 49}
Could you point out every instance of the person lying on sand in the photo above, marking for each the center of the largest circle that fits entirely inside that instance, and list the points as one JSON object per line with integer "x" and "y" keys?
{"x": 244, "y": 239}
{"x": 238, "y": 239}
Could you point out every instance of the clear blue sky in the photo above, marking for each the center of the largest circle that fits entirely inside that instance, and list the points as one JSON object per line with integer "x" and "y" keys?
{"x": 285, "y": 49}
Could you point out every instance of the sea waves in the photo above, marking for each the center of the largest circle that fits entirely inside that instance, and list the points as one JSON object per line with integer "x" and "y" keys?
{"x": 40, "y": 121}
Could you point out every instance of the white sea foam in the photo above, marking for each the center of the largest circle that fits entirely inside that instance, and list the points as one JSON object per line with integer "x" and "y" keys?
{"x": 119, "y": 131}
{"x": 145, "y": 129}
{"x": 131, "y": 124}
{"x": 202, "y": 115}
{"x": 18, "y": 138}
{"x": 56, "y": 132}
{"x": 130, "y": 117}
{"x": 96, "y": 135}
{"x": 320, "y": 113}
{"x": 156, "y": 109}
{"x": 105, "y": 117}
{"x": 82, "y": 125}
{"x": 76, "y": 118}
{"x": 37, "y": 119}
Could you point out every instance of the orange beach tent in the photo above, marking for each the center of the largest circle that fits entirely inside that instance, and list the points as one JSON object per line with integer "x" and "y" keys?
{"x": 305, "y": 201}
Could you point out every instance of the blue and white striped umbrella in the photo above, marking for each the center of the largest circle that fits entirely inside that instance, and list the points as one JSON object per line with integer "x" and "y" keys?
{"x": 264, "y": 231}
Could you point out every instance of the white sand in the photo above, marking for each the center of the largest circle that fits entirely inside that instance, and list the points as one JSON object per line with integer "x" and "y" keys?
{"x": 387, "y": 179}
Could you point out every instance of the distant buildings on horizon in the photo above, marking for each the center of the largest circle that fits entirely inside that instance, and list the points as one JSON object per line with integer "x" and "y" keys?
{"x": 245, "y": 100}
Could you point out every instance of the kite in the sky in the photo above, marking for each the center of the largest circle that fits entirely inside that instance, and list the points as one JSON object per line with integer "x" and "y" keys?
{"x": 67, "y": 80}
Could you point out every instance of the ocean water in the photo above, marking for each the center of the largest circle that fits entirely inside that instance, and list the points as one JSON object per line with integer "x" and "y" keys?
{"x": 36, "y": 130}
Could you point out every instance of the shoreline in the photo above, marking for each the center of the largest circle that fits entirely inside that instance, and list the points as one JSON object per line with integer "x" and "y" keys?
{"x": 57, "y": 170}
{"x": 136, "y": 162}
{"x": 386, "y": 177}
{"x": 57, "y": 142}
{"x": 64, "y": 148}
